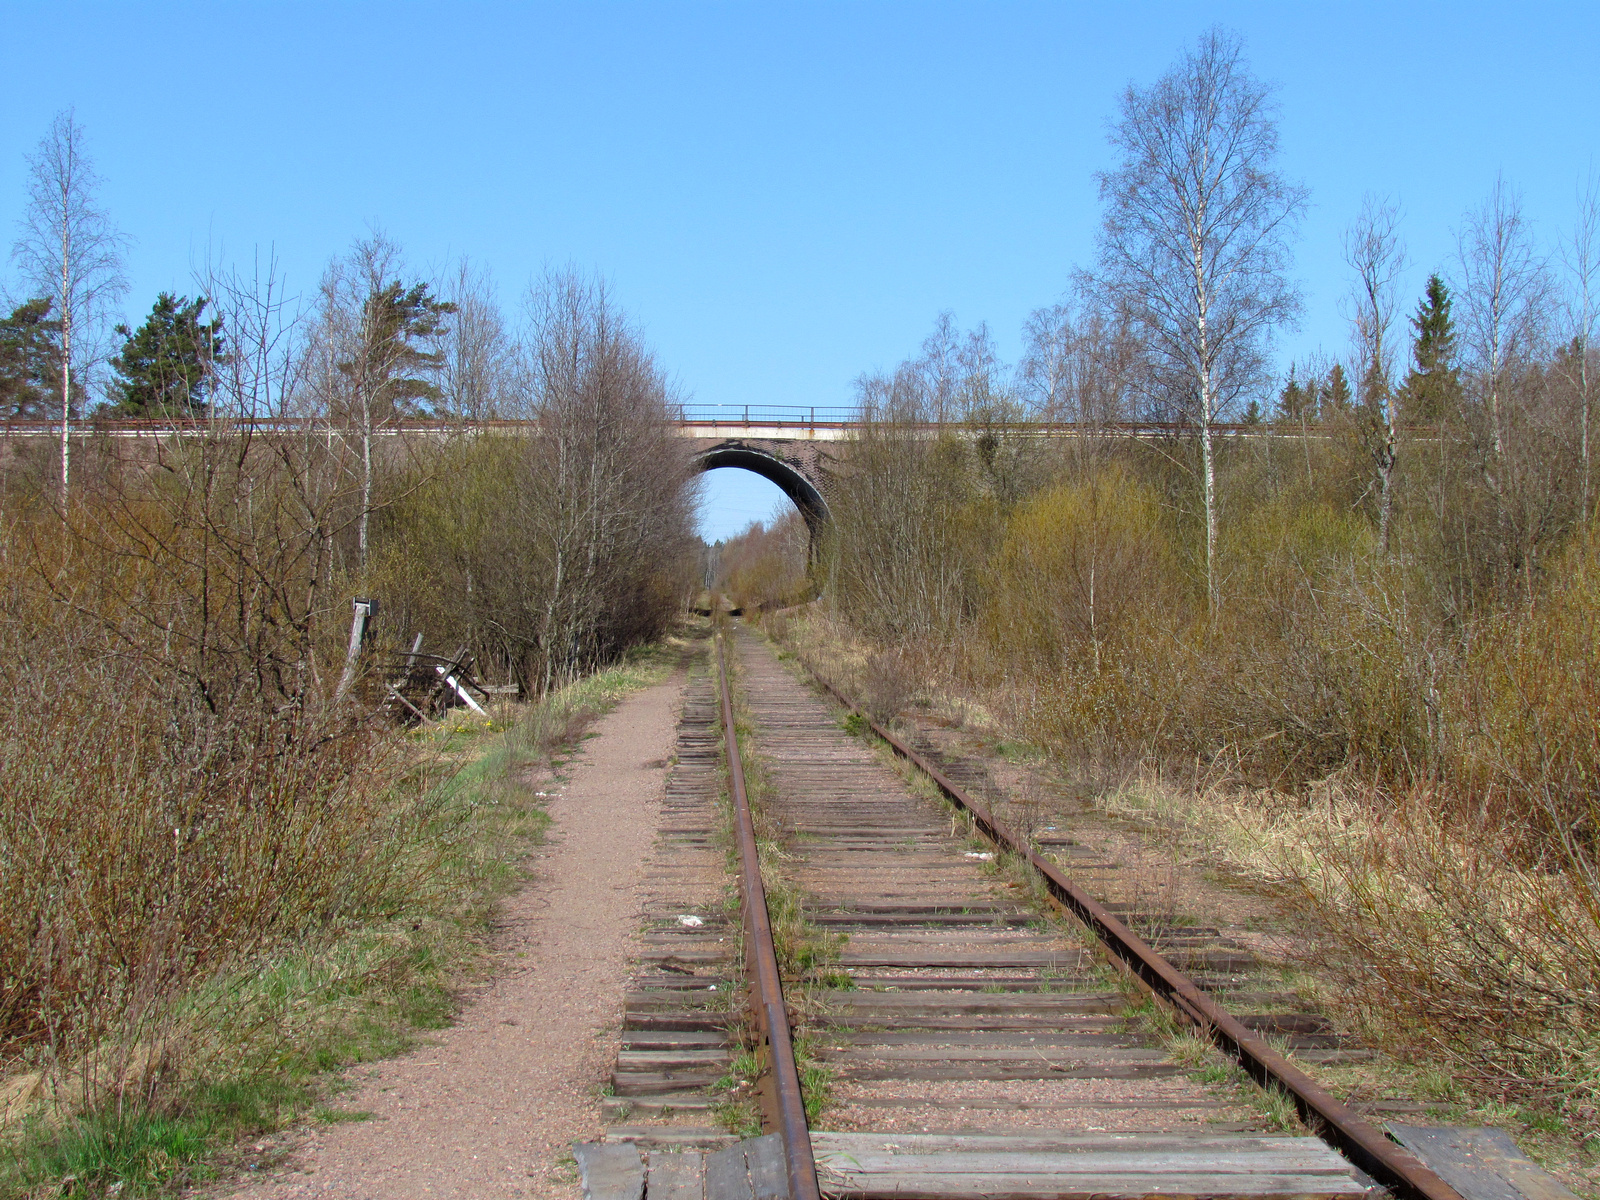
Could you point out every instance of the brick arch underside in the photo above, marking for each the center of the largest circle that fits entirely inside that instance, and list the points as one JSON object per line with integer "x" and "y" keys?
{"x": 790, "y": 481}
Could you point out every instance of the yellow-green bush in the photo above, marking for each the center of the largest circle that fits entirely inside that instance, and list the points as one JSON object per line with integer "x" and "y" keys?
{"x": 1521, "y": 717}
{"x": 1080, "y": 566}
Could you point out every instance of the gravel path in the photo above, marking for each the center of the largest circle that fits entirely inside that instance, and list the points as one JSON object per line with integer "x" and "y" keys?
{"x": 490, "y": 1107}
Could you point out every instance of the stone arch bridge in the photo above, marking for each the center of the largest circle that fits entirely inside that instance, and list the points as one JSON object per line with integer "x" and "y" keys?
{"x": 794, "y": 447}
{"x": 795, "y": 455}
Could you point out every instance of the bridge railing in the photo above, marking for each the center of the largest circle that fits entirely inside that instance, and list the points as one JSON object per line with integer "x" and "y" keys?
{"x": 784, "y": 415}
{"x": 698, "y": 416}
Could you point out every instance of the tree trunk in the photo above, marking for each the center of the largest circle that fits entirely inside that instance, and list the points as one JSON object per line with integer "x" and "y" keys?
{"x": 1208, "y": 469}
{"x": 66, "y": 365}
{"x": 366, "y": 477}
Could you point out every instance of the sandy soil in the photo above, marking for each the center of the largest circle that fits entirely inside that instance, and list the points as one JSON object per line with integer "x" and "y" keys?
{"x": 490, "y": 1107}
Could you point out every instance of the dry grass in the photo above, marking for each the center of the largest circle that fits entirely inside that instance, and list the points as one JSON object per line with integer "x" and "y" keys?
{"x": 246, "y": 1039}
{"x": 1438, "y": 941}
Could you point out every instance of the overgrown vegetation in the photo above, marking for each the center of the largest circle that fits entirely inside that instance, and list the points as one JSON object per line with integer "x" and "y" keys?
{"x": 762, "y": 568}
{"x": 239, "y": 1043}
{"x": 1427, "y": 769}
{"x": 1360, "y": 623}
{"x": 218, "y": 875}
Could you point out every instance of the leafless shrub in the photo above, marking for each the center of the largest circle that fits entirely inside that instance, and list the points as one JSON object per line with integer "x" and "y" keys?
{"x": 1447, "y": 940}
{"x": 181, "y": 791}
{"x": 765, "y": 567}
{"x": 551, "y": 553}
{"x": 890, "y": 683}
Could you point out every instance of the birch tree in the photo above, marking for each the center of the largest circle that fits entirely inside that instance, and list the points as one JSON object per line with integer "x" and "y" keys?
{"x": 1373, "y": 251}
{"x": 479, "y": 355}
{"x": 375, "y": 355}
{"x": 69, "y": 252}
{"x": 1581, "y": 256}
{"x": 1505, "y": 294}
{"x": 1194, "y": 246}
{"x": 1518, "y": 424}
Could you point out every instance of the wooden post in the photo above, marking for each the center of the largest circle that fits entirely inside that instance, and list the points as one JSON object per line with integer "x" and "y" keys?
{"x": 360, "y": 622}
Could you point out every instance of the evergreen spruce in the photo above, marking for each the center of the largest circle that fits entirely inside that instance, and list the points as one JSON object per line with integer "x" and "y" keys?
{"x": 1432, "y": 388}
{"x": 1291, "y": 400}
{"x": 163, "y": 368}
{"x": 1335, "y": 393}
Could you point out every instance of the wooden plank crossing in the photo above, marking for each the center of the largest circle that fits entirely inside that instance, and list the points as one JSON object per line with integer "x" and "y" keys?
{"x": 866, "y": 1166}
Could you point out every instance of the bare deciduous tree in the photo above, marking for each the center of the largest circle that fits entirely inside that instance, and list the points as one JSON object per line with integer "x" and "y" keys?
{"x": 608, "y": 505}
{"x": 69, "y": 251}
{"x": 375, "y": 355}
{"x": 1581, "y": 256}
{"x": 1519, "y": 444}
{"x": 1372, "y": 249}
{"x": 478, "y": 354}
{"x": 1505, "y": 293}
{"x": 1194, "y": 247}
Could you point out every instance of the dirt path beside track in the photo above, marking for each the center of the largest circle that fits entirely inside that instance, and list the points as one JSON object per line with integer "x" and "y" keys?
{"x": 489, "y": 1107}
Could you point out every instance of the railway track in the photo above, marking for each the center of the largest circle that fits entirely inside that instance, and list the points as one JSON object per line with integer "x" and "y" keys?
{"x": 960, "y": 1041}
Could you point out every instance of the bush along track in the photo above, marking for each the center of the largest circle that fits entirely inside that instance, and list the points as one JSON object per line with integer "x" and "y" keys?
{"x": 251, "y": 1045}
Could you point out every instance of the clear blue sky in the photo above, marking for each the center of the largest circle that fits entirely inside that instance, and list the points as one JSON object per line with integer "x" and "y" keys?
{"x": 784, "y": 195}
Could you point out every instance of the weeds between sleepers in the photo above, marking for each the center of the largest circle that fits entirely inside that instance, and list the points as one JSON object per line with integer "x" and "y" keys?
{"x": 1338, "y": 1124}
{"x": 801, "y": 947}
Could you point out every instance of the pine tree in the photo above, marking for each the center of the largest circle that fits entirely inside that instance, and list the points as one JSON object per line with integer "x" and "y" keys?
{"x": 163, "y": 368}
{"x": 30, "y": 353}
{"x": 393, "y": 365}
{"x": 1432, "y": 387}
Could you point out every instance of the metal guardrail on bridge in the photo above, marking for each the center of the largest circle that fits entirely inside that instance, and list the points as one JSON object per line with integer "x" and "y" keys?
{"x": 693, "y": 418}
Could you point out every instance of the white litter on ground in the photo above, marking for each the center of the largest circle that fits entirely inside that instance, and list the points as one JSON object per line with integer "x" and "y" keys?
{"x": 692, "y": 921}
{"x": 983, "y": 854}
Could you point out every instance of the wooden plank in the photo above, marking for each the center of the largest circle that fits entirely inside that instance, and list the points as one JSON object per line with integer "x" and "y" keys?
{"x": 676, "y": 1040}
{"x": 1120, "y": 1186}
{"x": 643, "y": 1083}
{"x": 676, "y": 1176}
{"x": 1103, "y": 1033}
{"x": 954, "y": 1167}
{"x": 727, "y": 1176}
{"x": 1480, "y": 1163}
{"x": 1212, "y": 1161}
{"x": 1050, "y": 1057}
{"x": 769, "y": 1178}
{"x": 610, "y": 1172}
{"x": 1050, "y": 1141}
{"x": 1038, "y": 1070}
{"x": 666, "y": 1060}
{"x": 992, "y": 960}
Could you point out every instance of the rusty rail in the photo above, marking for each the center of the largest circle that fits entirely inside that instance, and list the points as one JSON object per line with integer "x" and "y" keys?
{"x": 1335, "y": 1122}
{"x": 786, "y": 1107}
